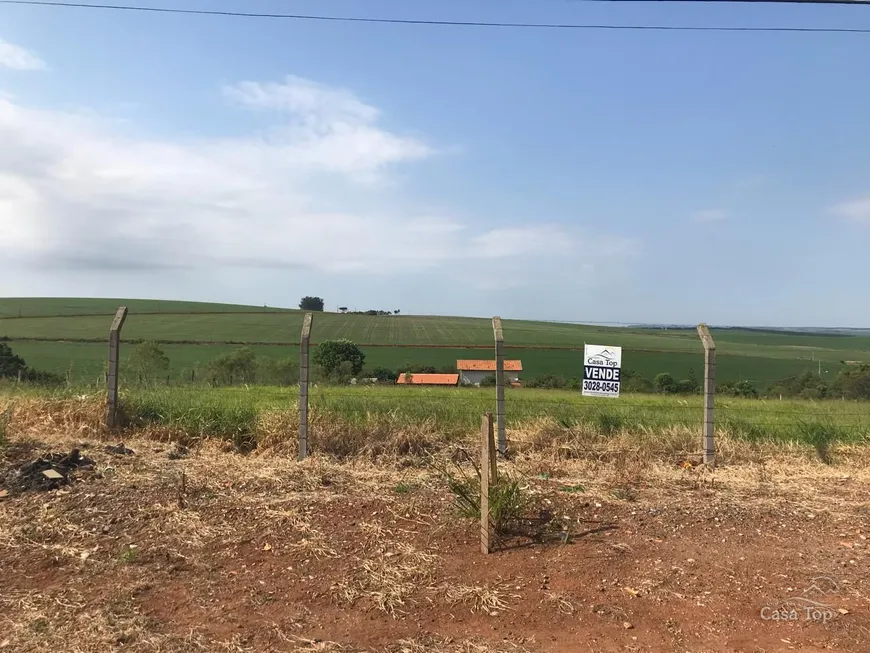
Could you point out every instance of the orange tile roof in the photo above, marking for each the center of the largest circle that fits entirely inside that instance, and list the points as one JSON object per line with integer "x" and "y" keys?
{"x": 430, "y": 379}
{"x": 488, "y": 366}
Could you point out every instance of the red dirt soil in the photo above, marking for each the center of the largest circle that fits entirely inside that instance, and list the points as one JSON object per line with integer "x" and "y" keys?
{"x": 267, "y": 554}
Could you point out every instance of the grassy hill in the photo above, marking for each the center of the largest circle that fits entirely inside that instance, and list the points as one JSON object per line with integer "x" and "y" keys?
{"x": 59, "y": 334}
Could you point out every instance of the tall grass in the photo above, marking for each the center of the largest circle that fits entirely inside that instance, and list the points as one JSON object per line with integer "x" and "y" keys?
{"x": 5, "y": 417}
{"x": 378, "y": 420}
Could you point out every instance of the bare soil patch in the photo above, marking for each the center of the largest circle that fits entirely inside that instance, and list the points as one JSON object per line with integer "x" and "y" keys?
{"x": 217, "y": 551}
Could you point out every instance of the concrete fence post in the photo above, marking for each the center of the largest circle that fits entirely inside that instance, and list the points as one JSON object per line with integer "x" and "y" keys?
{"x": 486, "y": 462}
{"x": 303, "y": 385}
{"x": 709, "y": 392}
{"x": 112, "y": 372}
{"x": 498, "y": 334}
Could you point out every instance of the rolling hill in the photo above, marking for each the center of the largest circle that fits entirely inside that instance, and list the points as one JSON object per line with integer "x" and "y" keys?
{"x": 64, "y": 334}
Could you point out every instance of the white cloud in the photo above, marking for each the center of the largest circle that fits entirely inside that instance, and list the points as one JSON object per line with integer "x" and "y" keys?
{"x": 78, "y": 194}
{"x": 17, "y": 58}
{"x": 709, "y": 215}
{"x": 857, "y": 210}
{"x": 329, "y": 127}
{"x": 305, "y": 98}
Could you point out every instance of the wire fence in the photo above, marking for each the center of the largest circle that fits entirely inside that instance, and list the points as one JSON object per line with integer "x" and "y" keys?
{"x": 188, "y": 390}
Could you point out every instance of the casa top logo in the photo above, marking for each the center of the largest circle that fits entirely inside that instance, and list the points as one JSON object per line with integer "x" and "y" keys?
{"x": 603, "y": 357}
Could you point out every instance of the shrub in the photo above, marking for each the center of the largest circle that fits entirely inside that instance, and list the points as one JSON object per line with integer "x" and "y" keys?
{"x": 854, "y": 383}
{"x": 10, "y": 363}
{"x": 44, "y": 379}
{"x": 330, "y": 355}
{"x": 233, "y": 367}
{"x": 278, "y": 371}
{"x": 665, "y": 383}
{"x": 488, "y": 381}
{"x": 547, "y": 382}
{"x": 148, "y": 362}
{"x": 13, "y": 366}
{"x": 637, "y": 384}
{"x": 806, "y": 384}
{"x": 737, "y": 389}
{"x": 385, "y": 375}
{"x": 685, "y": 387}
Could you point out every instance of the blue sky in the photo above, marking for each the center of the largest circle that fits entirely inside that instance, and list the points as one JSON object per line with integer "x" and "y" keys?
{"x": 574, "y": 175}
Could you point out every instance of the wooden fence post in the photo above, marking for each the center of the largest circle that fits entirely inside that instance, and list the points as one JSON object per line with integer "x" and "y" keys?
{"x": 303, "y": 386}
{"x": 112, "y": 373}
{"x": 709, "y": 392}
{"x": 487, "y": 467}
{"x": 498, "y": 334}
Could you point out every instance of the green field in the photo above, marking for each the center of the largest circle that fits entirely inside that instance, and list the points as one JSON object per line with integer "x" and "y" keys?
{"x": 69, "y": 335}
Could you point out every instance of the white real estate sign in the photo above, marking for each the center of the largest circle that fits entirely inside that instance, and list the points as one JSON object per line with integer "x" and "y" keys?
{"x": 601, "y": 371}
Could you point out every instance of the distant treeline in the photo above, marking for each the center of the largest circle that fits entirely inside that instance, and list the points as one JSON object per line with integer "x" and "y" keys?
{"x": 371, "y": 311}
{"x": 340, "y": 361}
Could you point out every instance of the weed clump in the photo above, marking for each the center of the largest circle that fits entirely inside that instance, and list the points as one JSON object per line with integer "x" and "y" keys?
{"x": 509, "y": 498}
{"x": 822, "y": 436}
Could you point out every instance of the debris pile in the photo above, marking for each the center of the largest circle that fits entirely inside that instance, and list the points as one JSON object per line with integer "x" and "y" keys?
{"x": 47, "y": 472}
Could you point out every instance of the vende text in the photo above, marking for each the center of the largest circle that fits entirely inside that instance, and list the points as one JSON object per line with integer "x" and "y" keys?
{"x": 601, "y": 373}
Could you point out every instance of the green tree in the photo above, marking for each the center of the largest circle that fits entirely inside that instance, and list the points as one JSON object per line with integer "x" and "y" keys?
{"x": 148, "y": 362}
{"x": 806, "y": 384}
{"x": 685, "y": 387}
{"x": 665, "y": 383}
{"x": 311, "y": 303}
{"x": 854, "y": 383}
{"x": 239, "y": 366}
{"x": 384, "y": 375}
{"x": 278, "y": 371}
{"x": 692, "y": 380}
{"x": 637, "y": 384}
{"x": 546, "y": 381}
{"x": 10, "y": 363}
{"x": 741, "y": 389}
{"x": 330, "y": 355}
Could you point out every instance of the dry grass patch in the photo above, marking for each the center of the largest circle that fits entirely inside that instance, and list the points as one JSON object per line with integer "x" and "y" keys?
{"x": 559, "y": 602}
{"x": 388, "y": 581}
{"x": 435, "y": 645}
{"x": 480, "y": 598}
{"x": 416, "y": 645}
{"x": 374, "y": 436}
{"x": 77, "y": 417}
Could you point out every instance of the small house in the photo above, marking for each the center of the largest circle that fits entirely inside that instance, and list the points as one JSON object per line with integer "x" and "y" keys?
{"x": 428, "y": 379}
{"x": 472, "y": 372}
